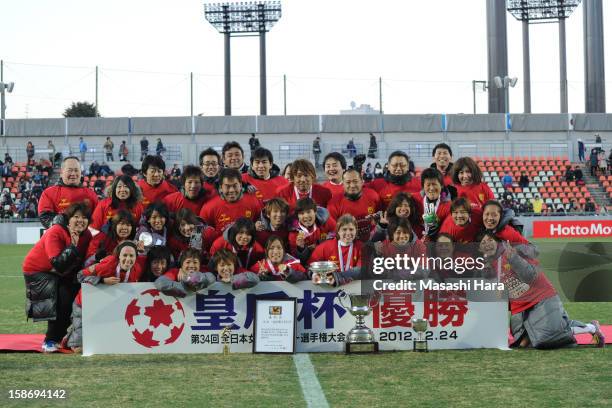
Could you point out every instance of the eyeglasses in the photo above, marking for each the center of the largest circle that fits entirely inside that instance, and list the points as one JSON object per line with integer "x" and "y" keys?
{"x": 210, "y": 164}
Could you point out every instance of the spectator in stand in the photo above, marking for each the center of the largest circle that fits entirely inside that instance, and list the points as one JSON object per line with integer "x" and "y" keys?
{"x": 524, "y": 180}
{"x": 253, "y": 143}
{"x": 589, "y": 206}
{"x": 233, "y": 157}
{"x": 537, "y": 204}
{"x": 507, "y": 180}
{"x": 369, "y": 173}
{"x": 231, "y": 203}
{"x": 94, "y": 169}
{"x": 378, "y": 171}
{"x": 54, "y": 200}
{"x": 108, "y": 149}
{"x": 316, "y": 150}
{"x": 7, "y": 169}
{"x": 210, "y": 163}
{"x": 8, "y": 159}
{"x": 176, "y": 171}
{"x": 123, "y": 151}
{"x": 578, "y": 176}
{"x": 30, "y": 151}
{"x": 351, "y": 148}
{"x": 334, "y": 164}
{"x": 610, "y": 162}
{"x": 593, "y": 161}
{"x": 303, "y": 176}
{"x": 580, "y": 150}
{"x": 569, "y": 174}
{"x": 264, "y": 175}
{"x": 159, "y": 148}
{"x": 144, "y": 148}
{"x": 124, "y": 195}
{"x": 82, "y": 148}
{"x": 603, "y": 163}
{"x": 154, "y": 187}
{"x": 373, "y": 148}
{"x": 104, "y": 170}
{"x": 51, "y": 146}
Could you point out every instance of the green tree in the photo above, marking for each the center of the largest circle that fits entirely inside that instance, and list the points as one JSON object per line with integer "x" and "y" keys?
{"x": 81, "y": 110}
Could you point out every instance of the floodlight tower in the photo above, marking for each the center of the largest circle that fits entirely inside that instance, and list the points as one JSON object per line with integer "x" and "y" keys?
{"x": 538, "y": 12}
{"x": 244, "y": 19}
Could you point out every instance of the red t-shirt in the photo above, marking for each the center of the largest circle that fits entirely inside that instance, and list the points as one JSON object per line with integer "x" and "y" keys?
{"x": 56, "y": 199}
{"x": 528, "y": 294}
{"x": 246, "y": 256}
{"x": 316, "y": 234}
{"x": 478, "y": 194}
{"x": 290, "y": 261}
{"x": 511, "y": 235}
{"x": 386, "y": 190}
{"x": 151, "y": 194}
{"x": 266, "y": 189}
{"x": 328, "y": 251}
{"x": 462, "y": 234}
{"x": 367, "y": 204}
{"x": 335, "y": 189}
{"x": 176, "y": 201}
{"x": 320, "y": 195}
{"x": 104, "y": 212}
{"x": 219, "y": 214}
{"x": 50, "y": 245}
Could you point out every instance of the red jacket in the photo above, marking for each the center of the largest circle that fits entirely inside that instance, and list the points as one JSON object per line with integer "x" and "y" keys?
{"x": 178, "y": 243}
{"x": 101, "y": 240}
{"x": 463, "y": 234}
{"x": 320, "y": 195}
{"x": 150, "y": 193}
{"x": 50, "y": 245}
{"x": 104, "y": 212}
{"x": 219, "y": 214}
{"x": 334, "y": 189}
{"x": 176, "y": 201}
{"x": 290, "y": 261}
{"x": 367, "y": 204}
{"x": 478, "y": 194}
{"x": 386, "y": 190}
{"x": 511, "y": 235}
{"x": 57, "y": 198}
{"x": 328, "y": 251}
{"x": 316, "y": 234}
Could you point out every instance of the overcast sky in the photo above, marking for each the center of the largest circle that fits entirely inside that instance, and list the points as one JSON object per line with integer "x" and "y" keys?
{"x": 332, "y": 51}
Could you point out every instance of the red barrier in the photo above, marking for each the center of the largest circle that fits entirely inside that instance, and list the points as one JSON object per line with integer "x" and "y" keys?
{"x": 572, "y": 229}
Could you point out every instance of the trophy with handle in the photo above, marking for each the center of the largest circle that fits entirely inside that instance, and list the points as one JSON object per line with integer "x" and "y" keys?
{"x": 324, "y": 271}
{"x": 360, "y": 339}
{"x": 420, "y": 327}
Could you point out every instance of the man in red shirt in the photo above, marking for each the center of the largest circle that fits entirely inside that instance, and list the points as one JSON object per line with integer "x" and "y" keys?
{"x": 360, "y": 202}
{"x": 303, "y": 175}
{"x": 154, "y": 187}
{"x": 210, "y": 163}
{"x": 334, "y": 165}
{"x": 233, "y": 157}
{"x": 397, "y": 179}
{"x": 54, "y": 200}
{"x": 193, "y": 195}
{"x": 231, "y": 203}
{"x": 264, "y": 175}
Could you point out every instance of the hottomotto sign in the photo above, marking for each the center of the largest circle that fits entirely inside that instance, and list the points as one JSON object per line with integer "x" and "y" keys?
{"x": 573, "y": 229}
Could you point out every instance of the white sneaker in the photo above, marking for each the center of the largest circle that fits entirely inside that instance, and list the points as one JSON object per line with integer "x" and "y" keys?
{"x": 50, "y": 346}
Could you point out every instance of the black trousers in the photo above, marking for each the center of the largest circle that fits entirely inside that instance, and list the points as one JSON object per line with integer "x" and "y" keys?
{"x": 67, "y": 290}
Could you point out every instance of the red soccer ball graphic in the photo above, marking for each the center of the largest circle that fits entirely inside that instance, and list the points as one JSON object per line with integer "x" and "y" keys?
{"x": 155, "y": 319}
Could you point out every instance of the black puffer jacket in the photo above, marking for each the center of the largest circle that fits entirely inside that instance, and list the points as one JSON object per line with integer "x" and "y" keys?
{"x": 41, "y": 296}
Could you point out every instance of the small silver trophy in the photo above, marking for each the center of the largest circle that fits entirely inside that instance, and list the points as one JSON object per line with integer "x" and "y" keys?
{"x": 420, "y": 327}
{"x": 324, "y": 270}
{"x": 360, "y": 339}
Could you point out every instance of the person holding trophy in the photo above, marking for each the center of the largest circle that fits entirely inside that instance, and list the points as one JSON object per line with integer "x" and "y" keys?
{"x": 278, "y": 265}
{"x": 187, "y": 278}
{"x": 344, "y": 251}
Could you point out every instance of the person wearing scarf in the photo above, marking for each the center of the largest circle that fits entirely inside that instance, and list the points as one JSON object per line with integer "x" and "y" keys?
{"x": 396, "y": 180}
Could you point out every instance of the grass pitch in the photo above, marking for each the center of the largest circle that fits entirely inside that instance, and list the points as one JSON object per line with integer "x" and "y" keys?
{"x": 483, "y": 378}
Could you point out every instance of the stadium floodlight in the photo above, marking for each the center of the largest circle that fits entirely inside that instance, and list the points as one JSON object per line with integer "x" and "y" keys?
{"x": 244, "y": 19}
{"x": 4, "y": 88}
{"x": 505, "y": 83}
{"x": 541, "y": 10}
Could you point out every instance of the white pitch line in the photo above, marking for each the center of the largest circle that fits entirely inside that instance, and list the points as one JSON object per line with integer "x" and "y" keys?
{"x": 311, "y": 388}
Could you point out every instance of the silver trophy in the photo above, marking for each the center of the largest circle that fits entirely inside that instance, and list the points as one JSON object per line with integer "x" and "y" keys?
{"x": 147, "y": 240}
{"x": 324, "y": 269}
{"x": 195, "y": 241}
{"x": 360, "y": 339}
{"x": 420, "y": 327}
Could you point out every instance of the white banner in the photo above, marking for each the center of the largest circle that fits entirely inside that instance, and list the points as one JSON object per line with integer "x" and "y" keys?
{"x": 135, "y": 318}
